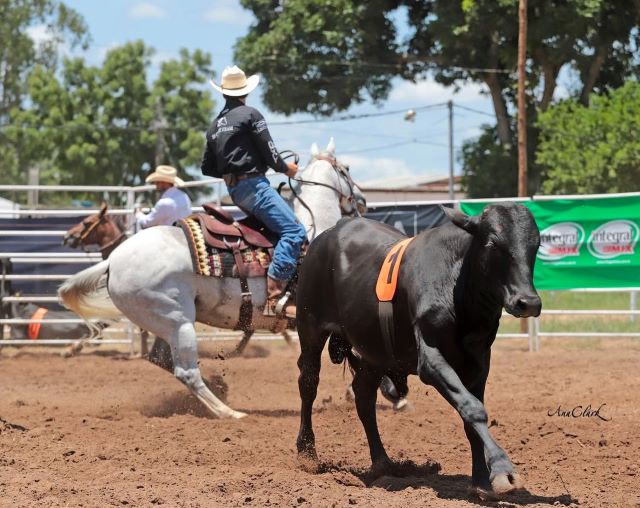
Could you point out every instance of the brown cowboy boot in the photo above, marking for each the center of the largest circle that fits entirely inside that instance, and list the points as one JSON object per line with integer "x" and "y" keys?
{"x": 277, "y": 300}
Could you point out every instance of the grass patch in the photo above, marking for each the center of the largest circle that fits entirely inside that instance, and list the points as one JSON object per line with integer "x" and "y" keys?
{"x": 569, "y": 300}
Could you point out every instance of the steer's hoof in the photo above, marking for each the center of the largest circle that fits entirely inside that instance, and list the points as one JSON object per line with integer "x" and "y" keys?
{"x": 349, "y": 395}
{"x": 308, "y": 462}
{"x": 403, "y": 405}
{"x": 506, "y": 482}
{"x": 236, "y": 415}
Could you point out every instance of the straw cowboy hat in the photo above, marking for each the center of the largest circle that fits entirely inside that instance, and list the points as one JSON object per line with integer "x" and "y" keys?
{"x": 235, "y": 83}
{"x": 167, "y": 174}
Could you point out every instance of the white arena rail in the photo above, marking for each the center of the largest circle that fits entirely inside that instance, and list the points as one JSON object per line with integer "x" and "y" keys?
{"x": 534, "y": 324}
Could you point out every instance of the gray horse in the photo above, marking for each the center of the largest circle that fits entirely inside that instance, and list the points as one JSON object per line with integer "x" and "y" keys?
{"x": 150, "y": 277}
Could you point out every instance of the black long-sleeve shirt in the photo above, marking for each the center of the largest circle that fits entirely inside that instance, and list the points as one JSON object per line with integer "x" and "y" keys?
{"x": 238, "y": 141}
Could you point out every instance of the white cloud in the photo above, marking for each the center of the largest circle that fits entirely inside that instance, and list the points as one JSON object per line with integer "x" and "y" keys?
{"x": 228, "y": 12}
{"x": 146, "y": 10}
{"x": 431, "y": 92}
{"x": 39, "y": 34}
{"x": 364, "y": 168}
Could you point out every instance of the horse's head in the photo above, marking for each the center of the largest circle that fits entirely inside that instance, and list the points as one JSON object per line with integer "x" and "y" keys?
{"x": 96, "y": 229}
{"x": 329, "y": 171}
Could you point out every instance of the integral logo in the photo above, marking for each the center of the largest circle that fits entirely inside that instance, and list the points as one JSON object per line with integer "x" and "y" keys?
{"x": 222, "y": 122}
{"x": 560, "y": 240}
{"x": 614, "y": 238}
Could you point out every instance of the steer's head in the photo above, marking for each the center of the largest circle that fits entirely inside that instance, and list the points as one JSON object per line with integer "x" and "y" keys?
{"x": 504, "y": 247}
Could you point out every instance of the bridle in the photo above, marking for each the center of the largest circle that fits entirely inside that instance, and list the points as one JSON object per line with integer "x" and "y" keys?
{"x": 103, "y": 248}
{"x": 343, "y": 174}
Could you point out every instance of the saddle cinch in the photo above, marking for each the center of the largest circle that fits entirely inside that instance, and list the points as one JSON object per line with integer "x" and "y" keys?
{"x": 221, "y": 246}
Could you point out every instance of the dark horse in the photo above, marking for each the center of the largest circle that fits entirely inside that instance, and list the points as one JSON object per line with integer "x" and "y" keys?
{"x": 453, "y": 282}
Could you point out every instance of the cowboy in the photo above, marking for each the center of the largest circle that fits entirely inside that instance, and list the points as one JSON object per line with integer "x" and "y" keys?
{"x": 240, "y": 149}
{"x": 173, "y": 204}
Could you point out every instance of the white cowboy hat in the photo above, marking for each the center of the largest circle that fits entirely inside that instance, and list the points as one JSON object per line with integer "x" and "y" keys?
{"x": 167, "y": 174}
{"x": 235, "y": 83}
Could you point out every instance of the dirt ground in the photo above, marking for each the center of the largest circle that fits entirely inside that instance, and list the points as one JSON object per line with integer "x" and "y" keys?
{"x": 105, "y": 430}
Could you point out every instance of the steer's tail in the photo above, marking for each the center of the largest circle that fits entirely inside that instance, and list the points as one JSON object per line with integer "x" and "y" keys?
{"x": 86, "y": 294}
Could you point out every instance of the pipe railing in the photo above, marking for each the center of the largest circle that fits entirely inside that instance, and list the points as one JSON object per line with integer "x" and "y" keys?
{"x": 534, "y": 332}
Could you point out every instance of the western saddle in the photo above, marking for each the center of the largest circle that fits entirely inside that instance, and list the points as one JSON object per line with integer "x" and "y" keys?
{"x": 221, "y": 231}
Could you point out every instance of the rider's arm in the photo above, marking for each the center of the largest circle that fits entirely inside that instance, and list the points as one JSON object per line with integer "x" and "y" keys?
{"x": 160, "y": 214}
{"x": 208, "y": 165}
{"x": 263, "y": 141}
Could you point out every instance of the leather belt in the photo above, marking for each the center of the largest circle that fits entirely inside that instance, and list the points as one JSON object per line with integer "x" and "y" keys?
{"x": 232, "y": 179}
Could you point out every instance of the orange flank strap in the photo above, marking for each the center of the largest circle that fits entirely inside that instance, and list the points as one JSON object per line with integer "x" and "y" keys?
{"x": 33, "y": 330}
{"x": 388, "y": 276}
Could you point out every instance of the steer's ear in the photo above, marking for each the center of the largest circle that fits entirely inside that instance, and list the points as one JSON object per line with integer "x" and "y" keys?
{"x": 467, "y": 222}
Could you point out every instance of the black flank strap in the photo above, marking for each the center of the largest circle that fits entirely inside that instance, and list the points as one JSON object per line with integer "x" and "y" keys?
{"x": 385, "y": 314}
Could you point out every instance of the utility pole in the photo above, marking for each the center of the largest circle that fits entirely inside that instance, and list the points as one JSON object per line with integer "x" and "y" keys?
{"x": 33, "y": 178}
{"x": 522, "y": 113}
{"x": 450, "y": 107}
{"x": 522, "y": 105}
{"x": 158, "y": 126}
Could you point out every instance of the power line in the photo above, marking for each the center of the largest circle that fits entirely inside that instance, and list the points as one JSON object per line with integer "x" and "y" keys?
{"x": 345, "y": 118}
{"x": 473, "y": 110}
{"x": 380, "y": 147}
{"x": 397, "y": 65}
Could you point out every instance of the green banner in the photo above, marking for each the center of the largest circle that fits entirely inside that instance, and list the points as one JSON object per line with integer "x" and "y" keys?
{"x": 584, "y": 243}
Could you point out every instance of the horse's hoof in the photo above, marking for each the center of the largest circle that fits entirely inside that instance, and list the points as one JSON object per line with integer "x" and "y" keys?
{"x": 506, "y": 482}
{"x": 483, "y": 494}
{"x": 238, "y": 414}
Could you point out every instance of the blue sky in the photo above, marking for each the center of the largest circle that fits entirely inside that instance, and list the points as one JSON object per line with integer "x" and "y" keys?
{"x": 215, "y": 25}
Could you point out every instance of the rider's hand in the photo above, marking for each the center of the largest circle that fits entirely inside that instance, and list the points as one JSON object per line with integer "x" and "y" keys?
{"x": 293, "y": 169}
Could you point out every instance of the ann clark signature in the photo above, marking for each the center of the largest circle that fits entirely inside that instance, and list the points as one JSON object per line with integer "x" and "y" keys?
{"x": 580, "y": 412}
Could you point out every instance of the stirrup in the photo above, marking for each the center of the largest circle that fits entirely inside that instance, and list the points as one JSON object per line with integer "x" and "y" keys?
{"x": 278, "y": 309}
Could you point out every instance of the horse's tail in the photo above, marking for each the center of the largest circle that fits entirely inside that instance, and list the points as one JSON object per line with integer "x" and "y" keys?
{"x": 86, "y": 294}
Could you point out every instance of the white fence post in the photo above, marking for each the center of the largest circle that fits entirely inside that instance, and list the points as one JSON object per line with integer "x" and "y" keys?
{"x": 633, "y": 304}
{"x": 530, "y": 335}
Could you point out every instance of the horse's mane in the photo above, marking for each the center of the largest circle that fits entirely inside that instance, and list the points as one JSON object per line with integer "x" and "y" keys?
{"x": 119, "y": 220}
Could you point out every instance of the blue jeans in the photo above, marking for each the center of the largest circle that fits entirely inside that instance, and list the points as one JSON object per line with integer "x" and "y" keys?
{"x": 255, "y": 196}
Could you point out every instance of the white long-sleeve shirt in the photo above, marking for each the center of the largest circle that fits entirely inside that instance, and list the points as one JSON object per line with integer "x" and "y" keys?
{"x": 173, "y": 205}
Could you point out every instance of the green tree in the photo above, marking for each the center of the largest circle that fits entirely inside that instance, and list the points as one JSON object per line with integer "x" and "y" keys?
{"x": 595, "y": 148}
{"x": 19, "y": 53}
{"x": 322, "y": 57}
{"x": 110, "y": 125}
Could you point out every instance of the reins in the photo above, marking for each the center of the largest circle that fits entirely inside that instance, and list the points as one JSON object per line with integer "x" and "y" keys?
{"x": 106, "y": 249}
{"x": 341, "y": 174}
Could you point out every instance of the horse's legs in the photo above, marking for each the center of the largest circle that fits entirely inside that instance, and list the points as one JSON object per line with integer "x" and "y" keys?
{"x": 144, "y": 345}
{"x": 365, "y": 386}
{"x": 246, "y": 336}
{"x": 312, "y": 343}
{"x": 185, "y": 359}
{"x": 287, "y": 338}
{"x": 160, "y": 354}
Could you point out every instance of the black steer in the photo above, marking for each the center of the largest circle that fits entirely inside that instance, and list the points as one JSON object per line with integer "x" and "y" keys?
{"x": 453, "y": 282}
